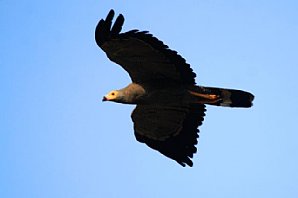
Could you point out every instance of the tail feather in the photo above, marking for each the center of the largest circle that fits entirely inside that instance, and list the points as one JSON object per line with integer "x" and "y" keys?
{"x": 228, "y": 97}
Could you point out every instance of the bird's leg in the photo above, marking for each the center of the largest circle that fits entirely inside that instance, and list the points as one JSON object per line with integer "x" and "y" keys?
{"x": 206, "y": 98}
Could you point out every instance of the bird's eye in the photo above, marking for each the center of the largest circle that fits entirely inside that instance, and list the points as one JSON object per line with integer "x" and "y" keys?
{"x": 112, "y": 93}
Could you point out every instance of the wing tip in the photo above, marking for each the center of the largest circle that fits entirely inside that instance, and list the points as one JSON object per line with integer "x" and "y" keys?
{"x": 117, "y": 27}
{"x": 110, "y": 15}
{"x": 103, "y": 30}
{"x": 187, "y": 161}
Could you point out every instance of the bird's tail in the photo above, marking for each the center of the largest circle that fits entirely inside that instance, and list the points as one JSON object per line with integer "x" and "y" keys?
{"x": 222, "y": 97}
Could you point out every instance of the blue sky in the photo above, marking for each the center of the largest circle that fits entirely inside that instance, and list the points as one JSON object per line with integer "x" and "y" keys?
{"x": 58, "y": 139}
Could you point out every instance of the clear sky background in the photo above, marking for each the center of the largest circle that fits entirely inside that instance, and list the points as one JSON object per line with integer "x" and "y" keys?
{"x": 58, "y": 140}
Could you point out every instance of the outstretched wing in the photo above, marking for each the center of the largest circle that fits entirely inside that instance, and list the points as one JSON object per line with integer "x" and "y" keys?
{"x": 171, "y": 130}
{"x": 143, "y": 56}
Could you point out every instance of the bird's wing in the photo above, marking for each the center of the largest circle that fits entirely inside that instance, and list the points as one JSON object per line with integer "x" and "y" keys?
{"x": 143, "y": 56}
{"x": 171, "y": 130}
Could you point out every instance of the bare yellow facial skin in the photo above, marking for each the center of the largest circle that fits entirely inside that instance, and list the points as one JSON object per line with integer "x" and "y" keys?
{"x": 112, "y": 95}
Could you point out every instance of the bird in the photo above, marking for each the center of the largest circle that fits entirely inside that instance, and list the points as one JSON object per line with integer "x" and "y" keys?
{"x": 170, "y": 106}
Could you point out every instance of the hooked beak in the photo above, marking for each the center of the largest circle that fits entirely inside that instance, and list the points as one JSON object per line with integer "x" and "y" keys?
{"x": 104, "y": 99}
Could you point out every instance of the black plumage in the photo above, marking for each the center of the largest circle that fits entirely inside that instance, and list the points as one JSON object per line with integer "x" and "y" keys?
{"x": 170, "y": 106}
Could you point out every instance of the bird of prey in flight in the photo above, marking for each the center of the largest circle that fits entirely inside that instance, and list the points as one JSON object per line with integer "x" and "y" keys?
{"x": 169, "y": 105}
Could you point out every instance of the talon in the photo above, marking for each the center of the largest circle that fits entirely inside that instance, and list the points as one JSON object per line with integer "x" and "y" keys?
{"x": 206, "y": 98}
{"x": 213, "y": 97}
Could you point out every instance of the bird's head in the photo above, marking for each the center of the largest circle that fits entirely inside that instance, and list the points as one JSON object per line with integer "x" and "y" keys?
{"x": 112, "y": 96}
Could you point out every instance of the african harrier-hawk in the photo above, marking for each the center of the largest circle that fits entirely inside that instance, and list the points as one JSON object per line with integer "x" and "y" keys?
{"x": 170, "y": 106}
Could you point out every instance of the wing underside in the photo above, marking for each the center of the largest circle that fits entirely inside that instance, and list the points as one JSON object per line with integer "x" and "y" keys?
{"x": 142, "y": 55}
{"x": 174, "y": 135}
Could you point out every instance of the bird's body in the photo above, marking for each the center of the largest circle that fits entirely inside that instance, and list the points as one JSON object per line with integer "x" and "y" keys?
{"x": 141, "y": 94}
{"x": 170, "y": 106}
{"x": 131, "y": 94}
